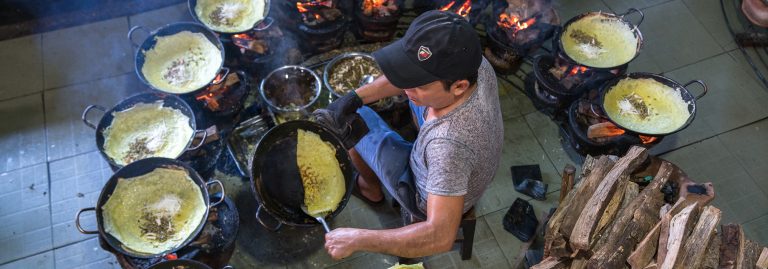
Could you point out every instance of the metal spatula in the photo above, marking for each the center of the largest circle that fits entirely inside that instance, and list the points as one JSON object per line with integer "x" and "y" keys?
{"x": 320, "y": 219}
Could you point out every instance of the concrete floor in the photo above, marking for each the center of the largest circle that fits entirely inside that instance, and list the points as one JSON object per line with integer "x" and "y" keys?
{"x": 49, "y": 166}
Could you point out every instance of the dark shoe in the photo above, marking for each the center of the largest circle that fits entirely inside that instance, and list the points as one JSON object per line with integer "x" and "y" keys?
{"x": 527, "y": 180}
{"x": 520, "y": 220}
{"x": 356, "y": 192}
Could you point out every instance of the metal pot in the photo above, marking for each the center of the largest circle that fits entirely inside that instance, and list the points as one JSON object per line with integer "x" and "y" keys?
{"x": 285, "y": 76}
{"x": 275, "y": 179}
{"x": 267, "y": 3}
{"x": 380, "y": 105}
{"x": 171, "y": 29}
{"x": 139, "y": 168}
{"x": 558, "y": 43}
{"x": 684, "y": 93}
{"x": 168, "y": 100}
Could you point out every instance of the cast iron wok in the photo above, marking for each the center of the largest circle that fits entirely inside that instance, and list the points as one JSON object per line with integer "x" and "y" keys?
{"x": 168, "y": 100}
{"x": 275, "y": 178}
{"x": 139, "y": 168}
{"x": 171, "y": 29}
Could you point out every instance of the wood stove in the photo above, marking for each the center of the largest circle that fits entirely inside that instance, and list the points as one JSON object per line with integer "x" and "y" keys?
{"x": 376, "y": 20}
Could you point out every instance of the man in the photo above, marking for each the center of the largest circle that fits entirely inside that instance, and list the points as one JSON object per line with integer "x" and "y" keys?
{"x": 454, "y": 99}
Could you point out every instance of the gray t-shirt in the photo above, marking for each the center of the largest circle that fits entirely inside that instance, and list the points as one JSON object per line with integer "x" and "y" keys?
{"x": 458, "y": 153}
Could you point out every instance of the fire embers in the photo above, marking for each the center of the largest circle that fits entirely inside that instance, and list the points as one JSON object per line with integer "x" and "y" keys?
{"x": 589, "y": 132}
{"x": 225, "y": 95}
{"x": 260, "y": 41}
{"x": 460, "y": 9}
{"x": 379, "y": 8}
{"x": 517, "y": 28}
{"x": 376, "y": 19}
{"x": 315, "y": 13}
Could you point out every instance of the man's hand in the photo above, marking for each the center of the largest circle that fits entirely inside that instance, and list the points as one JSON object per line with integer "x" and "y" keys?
{"x": 340, "y": 242}
{"x": 341, "y": 117}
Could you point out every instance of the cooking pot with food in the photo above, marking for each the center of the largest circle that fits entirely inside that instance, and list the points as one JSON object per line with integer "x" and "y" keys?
{"x": 144, "y": 125}
{"x": 152, "y": 207}
{"x": 600, "y": 40}
{"x": 348, "y": 71}
{"x": 290, "y": 91}
{"x": 229, "y": 16}
{"x": 649, "y": 104}
{"x": 179, "y": 58}
{"x": 300, "y": 163}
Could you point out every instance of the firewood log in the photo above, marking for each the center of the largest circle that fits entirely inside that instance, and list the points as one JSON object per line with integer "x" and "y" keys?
{"x": 762, "y": 261}
{"x": 679, "y": 228}
{"x": 651, "y": 266}
{"x": 550, "y": 263}
{"x": 751, "y": 255}
{"x": 632, "y": 224}
{"x": 712, "y": 259}
{"x": 696, "y": 245}
{"x": 562, "y": 221}
{"x": 731, "y": 246}
{"x": 644, "y": 252}
{"x": 566, "y": 185}
{"x": 595, "y": 206}
{"x": 681, "y": 203}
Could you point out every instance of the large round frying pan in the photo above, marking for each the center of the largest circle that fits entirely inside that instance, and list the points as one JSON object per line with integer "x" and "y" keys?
{"x": 684, "y": 93}
{"x": 171, "y": 29}
{"x": 168, "y": 100}
{"x": 139, "y": 168}
{"x": 558, "y": 43}
{"x": 193, "y": 3}
{"x": 275, "y": 178}
{"x": 185, "y": 264}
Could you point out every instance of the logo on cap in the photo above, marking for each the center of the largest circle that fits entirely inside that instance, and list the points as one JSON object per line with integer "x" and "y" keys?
{"x": 424, "y": 53}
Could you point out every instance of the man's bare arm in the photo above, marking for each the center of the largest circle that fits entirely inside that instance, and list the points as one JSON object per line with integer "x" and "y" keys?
{"x": 435, "y": 235}
{"x": 378, "y": 89}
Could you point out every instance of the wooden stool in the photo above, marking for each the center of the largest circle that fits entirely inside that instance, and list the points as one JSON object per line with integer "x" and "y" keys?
{"x": 467, "y": 228}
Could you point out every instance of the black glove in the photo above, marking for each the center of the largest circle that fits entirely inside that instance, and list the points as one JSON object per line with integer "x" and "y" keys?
{"x": 341, "y": 117}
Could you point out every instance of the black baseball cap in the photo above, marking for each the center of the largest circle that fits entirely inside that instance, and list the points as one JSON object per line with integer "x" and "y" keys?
{"x": 438, "y": 45}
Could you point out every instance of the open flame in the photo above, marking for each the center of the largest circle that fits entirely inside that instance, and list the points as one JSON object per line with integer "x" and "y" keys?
{"x": 380, "y": 8}
{"x": 463, "y": 10}
{"x": 304, "y": 7}
{"x": 647, "y": 139}
{"x": 577, "y": 70}
{"x": 513, "y": 22}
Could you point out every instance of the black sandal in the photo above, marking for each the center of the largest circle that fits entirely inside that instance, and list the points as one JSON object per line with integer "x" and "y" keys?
{"x": 356, "y": 192}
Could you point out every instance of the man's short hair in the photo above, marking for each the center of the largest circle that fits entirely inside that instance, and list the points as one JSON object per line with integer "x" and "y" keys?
{"x": 447, "y": 83}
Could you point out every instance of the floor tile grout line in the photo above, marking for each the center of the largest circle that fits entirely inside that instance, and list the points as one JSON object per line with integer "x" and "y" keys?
{"x": 87, "y": 81}
{"x": 48, "y": 169}
{"x": 712, "y": 136}
{"x": 696, "y": 62}
{"x": 28, "y": 256}
{"x": 49, "y": 161}
{"x": 743, "y": 167}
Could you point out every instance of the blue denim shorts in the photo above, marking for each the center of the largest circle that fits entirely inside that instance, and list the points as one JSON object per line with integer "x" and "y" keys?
{"x": 388, "y": 154}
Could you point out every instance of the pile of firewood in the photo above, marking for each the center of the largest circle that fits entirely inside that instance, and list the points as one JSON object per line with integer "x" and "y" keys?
{"x": 606, "y": 221}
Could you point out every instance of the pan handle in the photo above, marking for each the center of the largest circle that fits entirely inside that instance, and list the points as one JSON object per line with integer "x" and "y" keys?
{"x": 133, "y": 29}
{"x": 77, "y": 221}
{"x": 634, "y": 10}
{"x": 221, "y": 186}
{"x": 202, "y": 140}
{"x": 704, "y": 86}
{"x": 84, "y": 117}
{"x": 223, "y": 77}
{"x": 258, "y": 218}
{"x": 267, "y": 22}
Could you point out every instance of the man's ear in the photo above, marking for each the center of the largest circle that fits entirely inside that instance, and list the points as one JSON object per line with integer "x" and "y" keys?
{"x": 459, "y": 87}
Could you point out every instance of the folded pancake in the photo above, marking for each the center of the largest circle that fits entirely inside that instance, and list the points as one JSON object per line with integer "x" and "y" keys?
{"x": 146, "y": 130}
{"x": 646, "y": 105}
{"x": 154, "y": 212}
{"x": 320, "y": 174}
{"x": 182, "y": 62}
{"x": 599, "y": 41}
{"x": 230, "y": 16}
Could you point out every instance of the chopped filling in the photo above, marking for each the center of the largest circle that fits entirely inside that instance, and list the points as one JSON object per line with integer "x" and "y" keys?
{"x": 225, "y": 14}
{"x": 156, "y": 223}
{"x": 635, "y": 105}
{"x": 179, "y": 72}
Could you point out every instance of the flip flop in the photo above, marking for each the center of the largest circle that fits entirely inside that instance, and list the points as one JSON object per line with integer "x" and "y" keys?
{"x": 356, "y": 192}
